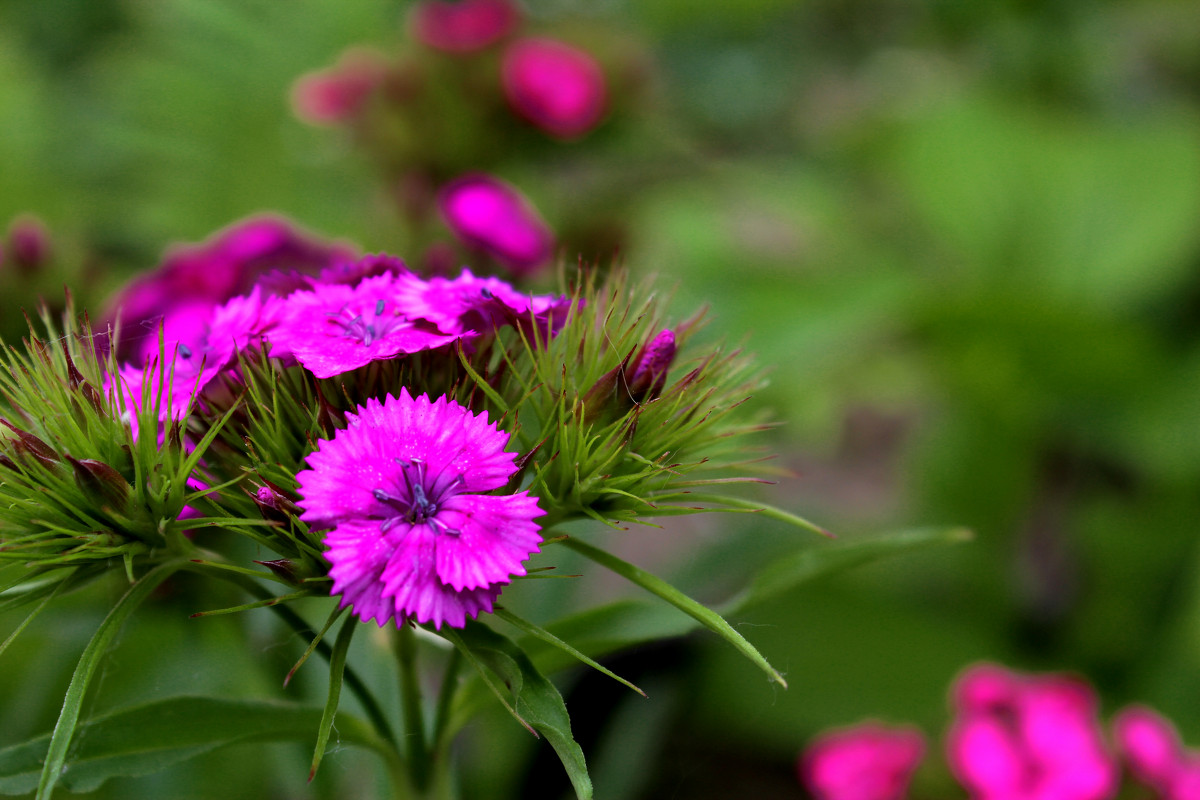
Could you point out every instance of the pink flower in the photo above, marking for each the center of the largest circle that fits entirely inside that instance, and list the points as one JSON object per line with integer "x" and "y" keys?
{"x": 865, "y": 762}
{"x": 1151, "y": 747}
{"x": 29, "y": 243}
{"x": 336, "y": 328}
{"x": 412, "y": 535}
{"x": 556, "y": 87}
{"x": 471, "y": 305}
{"x": 194, "y": 279}
{"x": 494, "y": 217}
{"x": 340, "y": 93}
{"x": 1021, "y": 737}
{"x": 649, "y": 370}
{"x": 464, "y": 26}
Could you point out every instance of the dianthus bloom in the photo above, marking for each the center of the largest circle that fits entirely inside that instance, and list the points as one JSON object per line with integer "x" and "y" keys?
{"x": 468, "y": 304}
{"x": 492, "y": 216}
{"x": 340, "y": 93}
{"x": 1019, "y": 737}
{"x": 336, "y": 328}
{"x": 1156, "y": 757}
{"x": 412, "y": 534}
{"x": 555, "y": 86}
{"x": 866, "y": 762}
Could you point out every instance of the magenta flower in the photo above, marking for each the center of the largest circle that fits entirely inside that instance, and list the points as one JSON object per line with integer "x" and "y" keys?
{"x": 556, "y": 87}
{"x": 29, "y": 243}
{"x": 336, "y": 328}
{"x": 339, "y": 94}
{"x": 194, "y": 279}
{"x": 412, "y": 534}
{"x": 464, "y": 26}
{"x": 649, "y": 370}
{"x": 471, "y": 305}
{"x": 865, "y": 762}
{"x": 1021, "y": 737}
{"x": 494, "y": 217}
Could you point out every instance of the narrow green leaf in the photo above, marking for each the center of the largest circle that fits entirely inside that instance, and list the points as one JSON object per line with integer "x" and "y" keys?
{"x": 32, "y": 614}
{"x": 316, "y": 640}
{"x": 145, "y": 738}
{"x": 337, "y": 666}
{"x": 535, "y": 699}
{"x": 766, "y": 510}
{"x": 64, "y": 729}
{"x": 548, "y": 637}
{"x": 656, "y": 585}
{"x": 813, "y": 562}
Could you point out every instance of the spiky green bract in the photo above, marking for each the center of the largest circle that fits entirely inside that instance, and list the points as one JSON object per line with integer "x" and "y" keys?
{"x": 77, "y": 489}
{"x": 595, "y": 452}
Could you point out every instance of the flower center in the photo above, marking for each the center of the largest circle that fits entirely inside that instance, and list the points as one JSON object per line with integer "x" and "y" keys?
{"x": 418, "y": 504}
{"x": 367, "y": 329}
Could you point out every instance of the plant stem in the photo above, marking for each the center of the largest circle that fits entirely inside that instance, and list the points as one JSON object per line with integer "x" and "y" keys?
{"x": 410, "y": 703}
{"x": 445, "y": 701}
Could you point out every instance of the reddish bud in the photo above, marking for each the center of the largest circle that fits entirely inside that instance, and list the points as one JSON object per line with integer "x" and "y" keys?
{"x": 556, "y": 87}
{"x": 340, "y": 93}
{"x": 650, "y": 375}
{"x": 29, "y": 244}
{"x": 462, "y": 27}
{"x": 101, "y": 482}
{"x": 28, "y": 444}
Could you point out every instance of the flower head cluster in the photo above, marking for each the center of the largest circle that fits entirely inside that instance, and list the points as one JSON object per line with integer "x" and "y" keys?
{"x": 1028, "y": 737}
{"x": 1013, "y": 737}
{"x": 413, "y": 532}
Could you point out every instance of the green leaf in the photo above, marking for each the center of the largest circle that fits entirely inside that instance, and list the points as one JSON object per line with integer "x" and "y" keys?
{"x": 64, "y": 729}
{"x": 337, "y": 666}
{"x": 536, "y": 701}
{"x": 656, "y": 585}
{"x": 548, "y": 637}
{"x": 813, "y": 562}
{"x": 145, "y": 738}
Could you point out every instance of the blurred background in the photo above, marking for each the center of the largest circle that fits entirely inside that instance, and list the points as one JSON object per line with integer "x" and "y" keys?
{"x": 965, "y": 237}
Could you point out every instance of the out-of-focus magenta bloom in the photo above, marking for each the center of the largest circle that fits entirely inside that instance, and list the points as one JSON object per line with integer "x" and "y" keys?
{"x": 336, "y": 328}
{"x": 471, "y": 305}
{"x": 494, "y": 217}
{"x": 1018, "y": 737}
{"x": 339, "y": 94}
{"x": 555, "y": 86}
{"x": 865, "y": 762}
{"x": 1149, "y": 745}
{"x": 412, "y": 534}
{"x": 194, "y": 279}
{"x": 464, "y": 26}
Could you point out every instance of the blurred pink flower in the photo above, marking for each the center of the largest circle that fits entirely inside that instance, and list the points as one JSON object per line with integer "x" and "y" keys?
{"x": 338, "y": 94}
{"x": 494, "y": 217}
{"x": 555, "y": 86}
{"x": 864, "y": 762}
{"x": 28, "y": 243}
{"x": 1151, "y": 748}
{"x": 464, "y": 26}
{"x": 1018, "y": 737}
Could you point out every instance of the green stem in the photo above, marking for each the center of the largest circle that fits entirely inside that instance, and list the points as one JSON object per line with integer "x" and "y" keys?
{"x": 410, "y": 704}
{"x": 446, "y": 701}
{"x": 301, "y": 628}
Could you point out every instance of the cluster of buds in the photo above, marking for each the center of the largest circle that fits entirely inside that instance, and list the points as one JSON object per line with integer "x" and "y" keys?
{"x": 475, "y": 90}
{"x": 1013, "y": 736}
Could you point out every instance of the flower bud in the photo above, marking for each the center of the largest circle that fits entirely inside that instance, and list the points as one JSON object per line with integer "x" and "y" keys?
{"x": 555, "y": 86}
{"x": 650, "y": 373}
{"x": 494, "y": 217}
{"x": 101, "y": 483}
{"x": 274, "y": 505}
{"x": 462, "y": 27}
{"x": 28, "y": 444}
{"x": 339, "y": 94}
{"x": 610, "y": 392}
{"x": 28, "y": 244}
